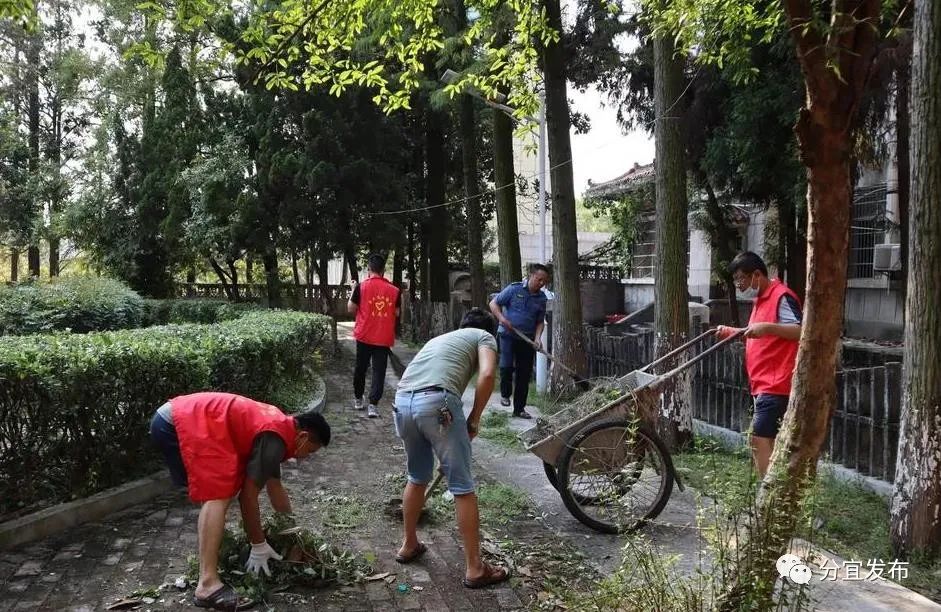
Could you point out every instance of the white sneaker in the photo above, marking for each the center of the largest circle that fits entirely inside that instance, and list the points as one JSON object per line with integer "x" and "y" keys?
{"x": 372, "y": 412}
{"x": 358, "y": 403}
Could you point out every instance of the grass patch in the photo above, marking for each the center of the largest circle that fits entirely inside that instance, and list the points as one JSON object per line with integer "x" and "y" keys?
{"x": 341, "y": 512}
{"x": 495, "y": 427}
{"x": 500, "y": 503}
{"x": 839, "y": 516}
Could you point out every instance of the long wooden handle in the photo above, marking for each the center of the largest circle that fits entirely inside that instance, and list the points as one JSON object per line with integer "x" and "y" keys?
{"x": 567, "y": 369}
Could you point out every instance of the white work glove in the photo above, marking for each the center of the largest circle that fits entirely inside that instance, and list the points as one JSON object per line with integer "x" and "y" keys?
{"x": 258, "y": 560}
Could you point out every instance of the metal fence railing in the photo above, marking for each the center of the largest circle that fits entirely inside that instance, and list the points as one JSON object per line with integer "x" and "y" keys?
{"x": 864, "y": 430}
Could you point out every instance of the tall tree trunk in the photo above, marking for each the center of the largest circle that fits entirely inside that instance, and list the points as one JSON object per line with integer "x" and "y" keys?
{"x": 903, "y": 157}
{"x": 14, "y": 265}
{"x": 272, "y": 283}
{"x": 835, "y": 74}
{"x": 916, "y": 503}
{"x": 349, "y": 254}
{"x": 33, "y": 52}
{"x": 438, "y": 287}
{"x": 508, "y": 233}
{"x": 220, "y": 273}
{"x": 295, "y": 271}
{"x": 475, "y": 221}
{"x": 412, "y": 268}
{"x": 671, "y": 288}
{"x": 234, "y": 275}
{"x": 249, "y": 264}
{"x": 398, "y": 265}
{"x": 323, "y": 274}
{"x": 568, "y": 335}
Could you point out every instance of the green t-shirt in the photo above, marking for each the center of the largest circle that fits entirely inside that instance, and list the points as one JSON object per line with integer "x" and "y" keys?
{"x": 448, "y": 361}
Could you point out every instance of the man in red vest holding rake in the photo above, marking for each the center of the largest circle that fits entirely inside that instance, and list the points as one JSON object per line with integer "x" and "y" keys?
{"x": 771, "y": 340}
{"x": 375, "y": 302}
{"x": 221, "y": 445}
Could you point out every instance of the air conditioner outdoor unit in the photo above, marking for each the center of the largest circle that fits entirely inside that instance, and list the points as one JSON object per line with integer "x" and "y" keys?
{"x": 887, "y": 258}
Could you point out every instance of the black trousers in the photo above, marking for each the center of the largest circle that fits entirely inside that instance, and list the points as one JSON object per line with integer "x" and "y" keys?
{"x": 379, "y": 356}
{"x": 516, "y": 370}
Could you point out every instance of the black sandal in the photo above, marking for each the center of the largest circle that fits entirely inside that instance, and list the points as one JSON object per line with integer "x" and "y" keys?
{"x": 522, "y": 414}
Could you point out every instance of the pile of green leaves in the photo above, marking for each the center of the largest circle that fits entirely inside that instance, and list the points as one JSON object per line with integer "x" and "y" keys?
{"x": 75, "y": 409}
{"x": 309, "y": 561}
{"x": 70, "y": 304}
{"x": 164, "y": 312}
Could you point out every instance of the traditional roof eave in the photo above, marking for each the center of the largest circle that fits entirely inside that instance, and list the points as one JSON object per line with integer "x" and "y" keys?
{"x": 633, "y": 178}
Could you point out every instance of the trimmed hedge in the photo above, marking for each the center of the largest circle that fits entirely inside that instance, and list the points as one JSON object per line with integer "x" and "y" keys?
{"x": 75, "y": 409}
{"x": 75, "y": 304}
{"x": 198, "y": 310}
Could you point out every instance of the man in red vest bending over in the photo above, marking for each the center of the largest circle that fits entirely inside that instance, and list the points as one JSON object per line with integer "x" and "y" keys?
{"x": 375, "y": 302}
{"x": 221, "y": 445}
{"x": 771, "y": 339}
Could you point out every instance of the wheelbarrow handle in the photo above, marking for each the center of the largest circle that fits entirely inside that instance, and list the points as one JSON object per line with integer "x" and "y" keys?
{"x": 693, "y": 361}
{"x": 678, "y": 350}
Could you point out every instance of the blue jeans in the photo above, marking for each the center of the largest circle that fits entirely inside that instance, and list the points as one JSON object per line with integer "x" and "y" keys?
{"x": 418, "y": 424}
{"x": 163, "y": 434}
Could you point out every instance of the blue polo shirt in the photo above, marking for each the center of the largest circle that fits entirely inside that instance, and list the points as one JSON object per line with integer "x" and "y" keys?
{"x": 524, "y": 309}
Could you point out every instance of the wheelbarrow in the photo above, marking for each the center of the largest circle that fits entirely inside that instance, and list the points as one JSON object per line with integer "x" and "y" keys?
{"x": 610, "y": 467}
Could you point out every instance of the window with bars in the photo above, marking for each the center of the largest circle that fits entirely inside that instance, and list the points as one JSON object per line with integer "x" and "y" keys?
{"x": 644, "y": 249}
{"x": 867, "y": 229}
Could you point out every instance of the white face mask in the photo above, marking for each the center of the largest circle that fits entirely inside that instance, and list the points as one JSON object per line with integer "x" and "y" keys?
{"x": 751, "y": 292}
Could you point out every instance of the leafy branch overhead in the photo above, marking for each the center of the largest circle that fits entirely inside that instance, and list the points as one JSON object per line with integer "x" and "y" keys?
{"x": 380, "y": 45}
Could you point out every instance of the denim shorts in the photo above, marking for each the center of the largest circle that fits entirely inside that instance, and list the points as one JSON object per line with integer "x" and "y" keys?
{"x": 769, "y": 412}
{"x": 163, "y": 434}
{"x": 418, "y": 424}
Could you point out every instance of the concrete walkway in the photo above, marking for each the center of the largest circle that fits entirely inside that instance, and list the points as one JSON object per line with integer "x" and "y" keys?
{"x": 674, "y": 532}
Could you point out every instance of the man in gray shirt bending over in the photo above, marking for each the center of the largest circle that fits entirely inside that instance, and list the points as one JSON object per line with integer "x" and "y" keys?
{"x": 429, "y": 418}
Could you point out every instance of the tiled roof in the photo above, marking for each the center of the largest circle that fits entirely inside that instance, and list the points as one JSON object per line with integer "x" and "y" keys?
{"x": 638, "y": 175}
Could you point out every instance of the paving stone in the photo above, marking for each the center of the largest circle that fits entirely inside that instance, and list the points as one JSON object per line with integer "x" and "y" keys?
{"x": 112, "y": 559}
{"x": 121, "y": 543}
{"x": 174, "y": 521}
{"x": 18, "y": 587}
{"x": 52, "y": 578}
{"x": 30, "y": 568}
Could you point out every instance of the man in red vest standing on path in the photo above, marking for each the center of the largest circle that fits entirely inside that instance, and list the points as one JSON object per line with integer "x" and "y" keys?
{"x": 221, "y": 445}
{"x": 375, "y": 302}
{"x": 771, "y": 340}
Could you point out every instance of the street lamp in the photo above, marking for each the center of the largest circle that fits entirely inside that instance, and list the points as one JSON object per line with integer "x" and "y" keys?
{"x": 449, "y": 77}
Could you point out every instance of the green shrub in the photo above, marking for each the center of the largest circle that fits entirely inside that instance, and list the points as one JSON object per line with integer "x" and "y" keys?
{"x": 75, "y": 409}
{"x": 75, "y": 304}
{"x": 163, "y": 312}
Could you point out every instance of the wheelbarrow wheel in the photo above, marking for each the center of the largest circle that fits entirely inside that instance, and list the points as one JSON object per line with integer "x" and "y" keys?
{"x": 551, "y": 475}
{"x": 614, "y": 475}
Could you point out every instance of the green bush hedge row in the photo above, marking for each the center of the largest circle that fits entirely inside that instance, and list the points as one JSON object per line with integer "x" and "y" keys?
{"x": 163, "y": 312}
{"x": 75, "y": 409}
{"x": 77, "y": 304}
{"x": 82, "y": 305}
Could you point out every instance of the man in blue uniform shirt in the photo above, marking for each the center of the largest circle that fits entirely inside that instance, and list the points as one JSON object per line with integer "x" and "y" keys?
{"x": 522, "y": 307}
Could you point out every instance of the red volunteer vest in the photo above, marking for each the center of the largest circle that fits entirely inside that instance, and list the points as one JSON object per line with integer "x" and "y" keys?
{"x": 216, "y": 433}
{"x": 770, "y": 360}
{"x": 375, "y": 316}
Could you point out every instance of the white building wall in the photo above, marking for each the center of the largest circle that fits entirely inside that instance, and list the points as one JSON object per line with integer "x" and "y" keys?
{"x": 700, "y": 264}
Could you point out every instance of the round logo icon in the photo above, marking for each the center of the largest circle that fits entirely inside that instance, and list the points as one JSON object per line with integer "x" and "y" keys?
{"x": 800, "y": 574}
{"x": 785, "y": 562}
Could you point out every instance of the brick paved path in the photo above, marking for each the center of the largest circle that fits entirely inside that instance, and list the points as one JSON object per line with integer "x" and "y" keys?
{"x": 146, "y": 546}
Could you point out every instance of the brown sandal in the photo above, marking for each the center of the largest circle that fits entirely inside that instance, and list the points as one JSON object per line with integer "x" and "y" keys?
{"x": 403, "y": 559}
{"x": 492, "y": 575}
